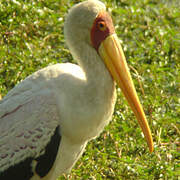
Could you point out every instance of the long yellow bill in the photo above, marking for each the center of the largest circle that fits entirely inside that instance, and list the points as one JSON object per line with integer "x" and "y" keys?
{"x": 111, "y": 52}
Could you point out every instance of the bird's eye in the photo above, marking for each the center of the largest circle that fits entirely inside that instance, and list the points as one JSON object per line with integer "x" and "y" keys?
{"x": 102, "y": 26}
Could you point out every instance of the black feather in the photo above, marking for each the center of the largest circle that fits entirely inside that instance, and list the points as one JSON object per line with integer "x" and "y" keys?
{"x": 23, "y": 170}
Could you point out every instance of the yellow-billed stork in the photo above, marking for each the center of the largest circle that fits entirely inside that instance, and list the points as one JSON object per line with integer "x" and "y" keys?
{"x": 47, "y": 119}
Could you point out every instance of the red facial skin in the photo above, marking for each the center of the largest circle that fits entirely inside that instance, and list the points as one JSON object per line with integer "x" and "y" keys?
{"x": 102, "y": 28}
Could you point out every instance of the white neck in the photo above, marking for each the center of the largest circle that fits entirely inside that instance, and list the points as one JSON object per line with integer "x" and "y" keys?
{"x": 94, "y": 98}
{"x": 98, "y": 79}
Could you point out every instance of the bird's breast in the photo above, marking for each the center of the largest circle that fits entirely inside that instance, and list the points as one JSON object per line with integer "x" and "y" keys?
{"x": 85, "y": 112}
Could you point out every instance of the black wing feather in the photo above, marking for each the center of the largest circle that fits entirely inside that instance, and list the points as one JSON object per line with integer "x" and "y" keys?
{"x": 23, "y": 170}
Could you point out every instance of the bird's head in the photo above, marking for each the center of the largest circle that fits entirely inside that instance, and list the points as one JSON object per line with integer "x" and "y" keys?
{"x": 91, "y": 23}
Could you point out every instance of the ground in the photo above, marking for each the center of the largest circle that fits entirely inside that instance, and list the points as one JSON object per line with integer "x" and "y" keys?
{"x": 31, "y": 37}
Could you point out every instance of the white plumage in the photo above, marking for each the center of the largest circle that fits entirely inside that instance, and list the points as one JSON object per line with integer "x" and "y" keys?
{"x": 72, "y": 104}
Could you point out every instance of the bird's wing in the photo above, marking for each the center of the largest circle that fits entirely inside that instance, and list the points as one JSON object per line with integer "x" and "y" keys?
{"x": 29, "y": 136}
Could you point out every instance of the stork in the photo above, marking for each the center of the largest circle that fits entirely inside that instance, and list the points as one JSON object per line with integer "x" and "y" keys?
{"x": 48, "y": 118}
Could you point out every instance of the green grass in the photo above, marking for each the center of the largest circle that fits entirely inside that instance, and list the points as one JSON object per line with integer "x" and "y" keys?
{"x": 31, "y": 37}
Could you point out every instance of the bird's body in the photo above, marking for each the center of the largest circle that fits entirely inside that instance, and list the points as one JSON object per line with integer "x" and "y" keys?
{"x": 44, "y": 97}
{"x": 47, "y": 119}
